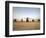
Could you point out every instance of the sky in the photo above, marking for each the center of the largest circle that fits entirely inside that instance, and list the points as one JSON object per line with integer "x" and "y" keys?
{"x": 24, "y": 12}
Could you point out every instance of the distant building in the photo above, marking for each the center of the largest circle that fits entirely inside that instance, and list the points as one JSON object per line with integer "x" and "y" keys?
{"x": 21, "y": 20}
{"x": 14, "y": 20}
{"x": 27, "y": 20}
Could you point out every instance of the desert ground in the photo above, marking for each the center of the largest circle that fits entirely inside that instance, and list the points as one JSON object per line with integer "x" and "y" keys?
{"x": 26, "y": 26}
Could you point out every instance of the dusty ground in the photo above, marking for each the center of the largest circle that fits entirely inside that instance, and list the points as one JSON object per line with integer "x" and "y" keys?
{"x": 26, "y": 26}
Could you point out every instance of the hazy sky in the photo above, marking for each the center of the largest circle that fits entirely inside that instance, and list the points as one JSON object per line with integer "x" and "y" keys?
{"x": 24, "y": 12}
